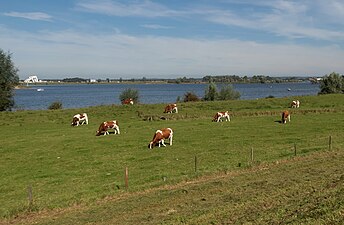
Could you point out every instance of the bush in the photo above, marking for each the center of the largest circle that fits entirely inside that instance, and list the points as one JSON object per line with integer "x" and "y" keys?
{"x": 228, "y": 93}
{"x": 331, "y": 84}
{"x": 55, "y": 105}
{"x": 211, "y": 93}
{"x": 190, "y": 97}
{"x": 129, "y": 93}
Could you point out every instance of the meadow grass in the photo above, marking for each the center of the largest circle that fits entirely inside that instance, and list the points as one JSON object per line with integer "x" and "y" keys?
{"x": 68, "y": 166}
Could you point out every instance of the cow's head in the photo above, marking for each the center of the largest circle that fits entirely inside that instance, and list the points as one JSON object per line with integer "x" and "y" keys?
{"x": 75, "y": 121}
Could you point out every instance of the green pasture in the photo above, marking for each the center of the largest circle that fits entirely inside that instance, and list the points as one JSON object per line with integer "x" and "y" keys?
{"x": 68, "y": 166}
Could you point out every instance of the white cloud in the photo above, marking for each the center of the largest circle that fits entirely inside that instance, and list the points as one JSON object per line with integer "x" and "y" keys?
{"x": 137, "y": 8}
{"x": 53, "y": 54}
{"x": 30, "y": 15}
{"x": 289, "y": 19}
{"x": 155, "y": 26}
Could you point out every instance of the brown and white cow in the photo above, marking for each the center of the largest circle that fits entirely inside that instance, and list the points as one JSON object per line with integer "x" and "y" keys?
{"x": 171, "y": 108}
{"x": 160, "y": 136}
{"x": 80, "y": 119}
{"x": 105, "y": 126}
{"x": 128, "y": 101}
{"x": 285, "y": 116}
{"x": 295, "y": 104}
{"x": 221, "y": 115}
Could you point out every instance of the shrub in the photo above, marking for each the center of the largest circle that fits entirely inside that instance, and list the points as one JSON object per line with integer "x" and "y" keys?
{"x": 190, "y": 97}
{"x": 55, "y": 105}
{"x": 333, "y": 83}
{"x": 129, "y": 93}
{"x": 211, "y": 92}
{"x": 228, "y": 93}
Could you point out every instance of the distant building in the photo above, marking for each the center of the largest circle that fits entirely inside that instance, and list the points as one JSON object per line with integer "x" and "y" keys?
{"x": 32, "y": 79}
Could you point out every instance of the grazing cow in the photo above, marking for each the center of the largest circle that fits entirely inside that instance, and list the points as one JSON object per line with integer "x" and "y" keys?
{"x": 128, "y": 101}
{"x": 80, "y": 119}
{"x": 285, "y": 116}
{"x": 105, "y": 126}
{"x": 220, "y": 115}
{"x": 160, "y": 136}
{"x": 171, "y": 108}
{"x": 295, "y": 104}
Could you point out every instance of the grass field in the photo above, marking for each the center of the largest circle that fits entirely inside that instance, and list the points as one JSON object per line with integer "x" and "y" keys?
{"x": 74, "y": 174}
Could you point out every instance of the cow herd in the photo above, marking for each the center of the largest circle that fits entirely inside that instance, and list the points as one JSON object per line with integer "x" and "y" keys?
{"x": 166, "y": 133}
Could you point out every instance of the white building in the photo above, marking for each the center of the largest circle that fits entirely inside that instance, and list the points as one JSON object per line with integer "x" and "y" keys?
{"x": 32, "y": 79}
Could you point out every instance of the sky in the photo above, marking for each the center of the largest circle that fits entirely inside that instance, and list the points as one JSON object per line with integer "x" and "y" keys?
{"x": 172, "y": 38}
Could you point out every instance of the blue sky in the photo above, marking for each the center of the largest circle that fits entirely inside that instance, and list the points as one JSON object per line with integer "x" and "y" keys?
{"x": 173, "y": 38}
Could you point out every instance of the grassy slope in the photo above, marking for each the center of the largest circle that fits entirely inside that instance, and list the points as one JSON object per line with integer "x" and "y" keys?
{"x": 307, "y": 190}
{"x": 68, "y": 166}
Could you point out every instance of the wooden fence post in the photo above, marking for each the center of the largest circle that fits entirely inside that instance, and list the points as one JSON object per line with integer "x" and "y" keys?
{"x": 330, "y": 143}
{"x": 30, "y": 196}
{"x": 126, "y": 178}
{"x": 195, "y": 164}
{"x": 252, "y": 154}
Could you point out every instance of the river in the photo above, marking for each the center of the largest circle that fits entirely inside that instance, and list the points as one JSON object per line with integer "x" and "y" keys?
{"x": 39, "y": 97}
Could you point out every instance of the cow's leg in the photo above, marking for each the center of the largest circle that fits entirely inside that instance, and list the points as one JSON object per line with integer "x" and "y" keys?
{"x": 289, "y": 118}
{"x": 163, "y": 143}
{"x": 117, "y": 128}
{"x": 171, "y": 137}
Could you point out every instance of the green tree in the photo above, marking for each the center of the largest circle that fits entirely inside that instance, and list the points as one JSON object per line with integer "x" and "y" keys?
{"x": 211, "y": 92}
{"x": 129, "y": 93}
{"x": 333, "y": 83}
{"x": 8, "y": 80}
{"x": 228, "y": 93}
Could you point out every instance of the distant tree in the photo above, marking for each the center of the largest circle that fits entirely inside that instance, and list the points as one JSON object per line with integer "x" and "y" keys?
{"x": 211, "y": 92}
{"x": 228, "y": 93}
{"x": 333, "y": 83}
{"x": 130, "y": 93}
{"x": 190, "y": 97}
{"x": 8, "y": 80}
{"x": 75, "y": 80}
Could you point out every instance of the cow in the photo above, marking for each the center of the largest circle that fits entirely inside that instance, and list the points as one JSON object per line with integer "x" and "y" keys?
{"x": 285, "y": 116}
{"x": 128, "y": 101}
{"x": 295, "y": 104}
{"x": 171, "y": 108}
{"x": 80, "y": 119}
{"x": 160, "y": 136}
{"x": 105, "y": 126}
{"x": 221, "y": 115}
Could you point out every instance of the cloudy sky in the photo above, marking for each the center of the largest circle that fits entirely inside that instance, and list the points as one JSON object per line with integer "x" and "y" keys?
{"x": 173, "y": 38}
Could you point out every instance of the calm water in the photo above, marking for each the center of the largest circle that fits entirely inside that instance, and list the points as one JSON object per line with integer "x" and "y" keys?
{"x": 84, "y": 95}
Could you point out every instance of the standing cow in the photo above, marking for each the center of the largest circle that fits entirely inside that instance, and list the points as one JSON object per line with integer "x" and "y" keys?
{"x": 285, "y": 116}
{"x": 295, "y": 104}
{"x": 105, "y": 126}
{"x": 221, "y": 115}
{"x": 80, "y": 119}
{"x": 160, "y": 136}
{"x": 171, "y": 108}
